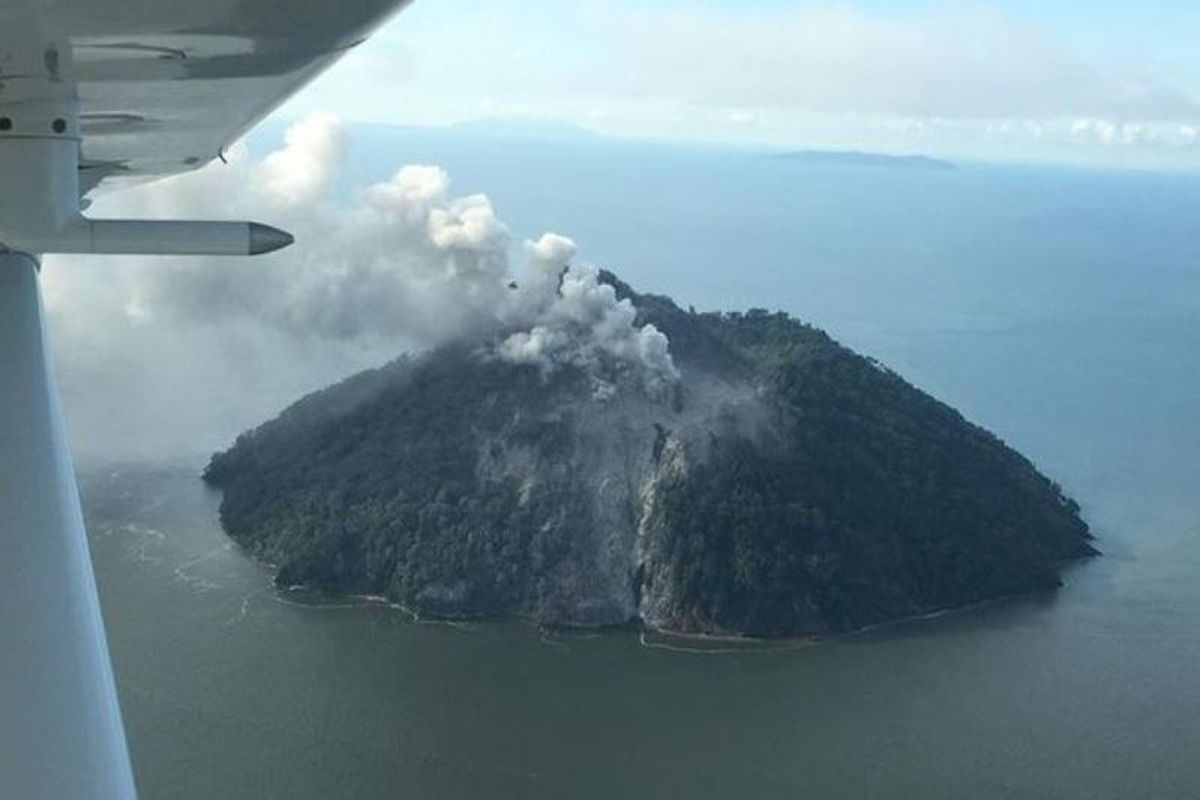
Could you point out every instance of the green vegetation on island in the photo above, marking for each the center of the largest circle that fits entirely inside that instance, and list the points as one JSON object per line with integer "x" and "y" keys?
{"x": 784, "y": 486}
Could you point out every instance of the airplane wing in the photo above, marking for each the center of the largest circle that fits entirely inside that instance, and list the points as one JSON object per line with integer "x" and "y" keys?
{"x": 95, "y": 91}
{"x": 166, "y": 85}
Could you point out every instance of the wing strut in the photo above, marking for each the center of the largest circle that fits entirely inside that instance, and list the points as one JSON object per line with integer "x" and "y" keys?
{"x": 61, "y": 734}
{"x": 60, "y": 727}
{"x": 40, "y": 197}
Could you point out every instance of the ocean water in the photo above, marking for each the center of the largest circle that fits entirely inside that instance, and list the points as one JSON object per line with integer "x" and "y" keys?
{"x": 1059, "y": 308}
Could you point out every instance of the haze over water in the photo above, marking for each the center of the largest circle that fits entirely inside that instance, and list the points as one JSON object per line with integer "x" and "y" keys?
{"x": 1058, "y": 308}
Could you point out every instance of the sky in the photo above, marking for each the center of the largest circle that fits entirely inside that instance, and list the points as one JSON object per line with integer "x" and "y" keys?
{"x": 1104, "y": 83}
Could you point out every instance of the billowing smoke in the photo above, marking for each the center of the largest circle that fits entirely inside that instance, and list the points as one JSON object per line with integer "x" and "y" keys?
{"x": 299, "y": 172}
{"x": 584, "y": 325}
{"x": 162, "y": 357}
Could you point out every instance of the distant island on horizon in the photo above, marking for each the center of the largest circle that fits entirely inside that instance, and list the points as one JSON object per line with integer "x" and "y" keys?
{"x": 783, "y": 485}
{"x": 856, "y": 158}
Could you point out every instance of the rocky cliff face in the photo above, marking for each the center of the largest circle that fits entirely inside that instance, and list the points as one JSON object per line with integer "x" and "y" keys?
{"x": 783, "y": 485}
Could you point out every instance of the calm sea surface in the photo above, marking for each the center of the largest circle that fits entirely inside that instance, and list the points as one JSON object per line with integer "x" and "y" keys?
{"x": 1059, "y": 308}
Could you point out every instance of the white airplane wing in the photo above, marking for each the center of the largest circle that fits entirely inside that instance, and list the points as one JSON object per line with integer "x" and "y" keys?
{"x": 94, "y": 91}
{"x": 165, "y": 85}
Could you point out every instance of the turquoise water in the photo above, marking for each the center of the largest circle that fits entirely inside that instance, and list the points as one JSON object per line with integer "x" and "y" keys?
{"x": 1059, "y": 308}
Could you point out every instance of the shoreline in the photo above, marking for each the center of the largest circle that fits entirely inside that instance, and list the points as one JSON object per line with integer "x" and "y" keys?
{"x": 643, "y": 630}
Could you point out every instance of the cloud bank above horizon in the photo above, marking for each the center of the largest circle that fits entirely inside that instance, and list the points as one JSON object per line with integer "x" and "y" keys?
{"x": 970, "y": 79}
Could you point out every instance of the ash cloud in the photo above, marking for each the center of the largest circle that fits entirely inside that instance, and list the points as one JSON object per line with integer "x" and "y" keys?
{"x": 585, "y": 325}
{"x": 169, "y": 357}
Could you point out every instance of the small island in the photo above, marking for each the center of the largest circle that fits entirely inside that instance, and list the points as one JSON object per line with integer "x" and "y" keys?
{"x": 853, "y": 158}
{"x": 782, "y": 485}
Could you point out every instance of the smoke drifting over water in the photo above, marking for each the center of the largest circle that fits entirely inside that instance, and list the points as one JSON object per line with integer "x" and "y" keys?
{"x": 161, "y": 357}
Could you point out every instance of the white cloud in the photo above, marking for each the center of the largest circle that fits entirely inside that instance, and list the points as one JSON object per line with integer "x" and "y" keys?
{"x": 966, "y": 63}
{"x": 1128, "y": 135}
{"x": 958, "y": 79}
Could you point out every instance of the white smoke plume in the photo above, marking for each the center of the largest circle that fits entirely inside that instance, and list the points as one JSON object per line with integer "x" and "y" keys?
{"x": 297, "y": 173}
{"x": 584, "y": 322}
{"x": 167, "y": 356}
